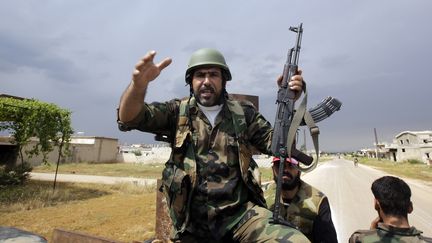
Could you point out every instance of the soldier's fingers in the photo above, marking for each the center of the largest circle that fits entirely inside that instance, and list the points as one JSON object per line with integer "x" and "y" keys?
{"x": 148, "y": 58}
{"x": 295, "y": 82}
{"x": 139, "y": 64}
{"x": 163, "y": 64}
{"x": 296, "y": 85}
{"x": 279, "y": 80}
{"x": 299, "y": 72}
{"x": 297, "y": 78}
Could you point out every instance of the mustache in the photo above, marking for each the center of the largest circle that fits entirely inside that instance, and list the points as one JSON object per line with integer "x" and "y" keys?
{"x": 288, "y": 175}
{"x": 207, "y": 88}
{"x": 285, "y": 174}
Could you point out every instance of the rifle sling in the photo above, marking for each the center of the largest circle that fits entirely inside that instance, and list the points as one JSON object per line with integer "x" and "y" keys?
{"x": 300, "y": 115}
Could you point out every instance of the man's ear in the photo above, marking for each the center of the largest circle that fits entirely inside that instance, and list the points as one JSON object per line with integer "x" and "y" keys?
{"x": 410, "y": 207}
{"x": 377, "y": 205}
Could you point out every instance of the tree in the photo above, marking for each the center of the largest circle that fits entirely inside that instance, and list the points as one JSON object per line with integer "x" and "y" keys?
{"x": 27, "y": 118}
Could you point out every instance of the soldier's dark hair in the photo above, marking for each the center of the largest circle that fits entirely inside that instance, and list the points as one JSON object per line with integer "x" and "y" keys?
{"x": 393, "y": 195}
{"x": 225, "y": 76}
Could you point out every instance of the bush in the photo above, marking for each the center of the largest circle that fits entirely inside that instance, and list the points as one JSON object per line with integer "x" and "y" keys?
{"x": 137, "y": 152}
{"x": 414, "y": 161}
{"x": 15, "y": 175}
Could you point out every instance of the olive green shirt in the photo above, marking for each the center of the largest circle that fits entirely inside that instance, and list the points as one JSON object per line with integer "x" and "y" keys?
{"x": 309, "y": 210}
{"x": 220, "y": 197}
{"x": 390, "y": 234}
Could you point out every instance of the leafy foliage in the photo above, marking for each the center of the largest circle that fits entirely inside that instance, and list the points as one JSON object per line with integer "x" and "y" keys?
{"x": 15, "y": 175}
{"x": 414, "y": 161}
{"x": 29, "y": 118}
{"x": 137, "y": 152}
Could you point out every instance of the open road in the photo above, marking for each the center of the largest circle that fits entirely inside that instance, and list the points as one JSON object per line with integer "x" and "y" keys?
{"x": 351, "y": 200}
{"x": 346, "y": 186}
{"x": 91, "y": 179}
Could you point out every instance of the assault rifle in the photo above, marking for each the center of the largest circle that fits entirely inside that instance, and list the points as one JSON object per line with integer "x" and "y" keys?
{"x": 288, "y": 120}
{"x": 285, "y": 109}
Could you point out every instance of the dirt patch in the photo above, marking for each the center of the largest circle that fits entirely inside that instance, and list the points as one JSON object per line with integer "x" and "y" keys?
{"x": 118, "y": 216}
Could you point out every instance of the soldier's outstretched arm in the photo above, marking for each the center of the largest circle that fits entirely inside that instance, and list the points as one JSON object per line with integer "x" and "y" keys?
{"x": 145, "y": 71}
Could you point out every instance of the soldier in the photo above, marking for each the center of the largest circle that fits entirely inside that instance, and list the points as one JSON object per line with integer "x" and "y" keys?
{"x": 393, "y": 204}
{"x": 211, "y": 182}
{"x": 301, "y": 204}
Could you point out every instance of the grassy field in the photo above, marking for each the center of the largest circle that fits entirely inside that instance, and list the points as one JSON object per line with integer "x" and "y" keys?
{"x": 121, "y": 212}
{"x": 411, "y": 170}
{"x": 150, "y": 171}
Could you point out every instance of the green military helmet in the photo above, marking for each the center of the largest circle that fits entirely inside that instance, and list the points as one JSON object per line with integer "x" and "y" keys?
{"x": 205, "y": 57}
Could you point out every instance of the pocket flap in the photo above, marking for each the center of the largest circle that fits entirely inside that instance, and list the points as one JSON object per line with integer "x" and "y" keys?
{"x": 181, "y": 137}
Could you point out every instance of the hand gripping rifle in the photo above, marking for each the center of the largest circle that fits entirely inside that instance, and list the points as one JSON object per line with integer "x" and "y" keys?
{"x": 288, "y": 120}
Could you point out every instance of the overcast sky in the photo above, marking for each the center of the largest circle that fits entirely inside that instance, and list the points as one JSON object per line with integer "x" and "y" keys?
{"x": 374, "y": 56}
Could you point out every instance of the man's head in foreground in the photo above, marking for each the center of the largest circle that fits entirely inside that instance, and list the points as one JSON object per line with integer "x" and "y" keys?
{"x": 392, "y": 196}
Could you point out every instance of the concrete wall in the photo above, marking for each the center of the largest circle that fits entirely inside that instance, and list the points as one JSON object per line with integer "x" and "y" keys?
{"x": 82, "y": 149}
{"x": 98, "y": 149}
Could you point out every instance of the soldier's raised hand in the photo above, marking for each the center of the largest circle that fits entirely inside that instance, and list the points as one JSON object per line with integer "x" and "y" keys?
{"x": 295, "y": 84}
{"x": 146, "y": 70}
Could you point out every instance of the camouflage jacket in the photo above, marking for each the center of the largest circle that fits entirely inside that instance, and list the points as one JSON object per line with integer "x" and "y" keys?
{"x": 387, "y": 233}
{"x": 309, "y": 211}
{"x": 211, "y": 169}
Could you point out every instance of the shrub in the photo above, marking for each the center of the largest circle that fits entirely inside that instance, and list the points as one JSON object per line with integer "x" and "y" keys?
{"x": 414, "y": 161}
{"x": 15, "y": 175}
{"x": 137, "y": 152}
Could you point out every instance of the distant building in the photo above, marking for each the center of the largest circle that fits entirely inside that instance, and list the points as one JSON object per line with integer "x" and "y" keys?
{"x": 93, "y": 149}
{"x": 379, "y": 151}
{"x": 82, "y": 149}
{"x": 405, "y": 146}
{"x": 413, "y": 145}
{"x": 144, "y": 153}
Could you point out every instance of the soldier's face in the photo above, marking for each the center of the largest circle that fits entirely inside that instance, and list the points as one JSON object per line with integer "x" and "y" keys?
{"x": 290, "y": 177}
{"x": 207, "y": 85}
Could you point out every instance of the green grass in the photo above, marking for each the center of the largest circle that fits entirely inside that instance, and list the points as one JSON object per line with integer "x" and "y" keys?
{"x": 266, "y": 174}
{"x": 39, "y": 194}
{"x": 409, "y": 169}
{"x": 150, "y": 171}
{"x": 35, "y": 194}
{"x": 124, "y": 212}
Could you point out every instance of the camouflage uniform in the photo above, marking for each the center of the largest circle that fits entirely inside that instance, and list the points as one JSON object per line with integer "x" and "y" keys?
{"x": 309, "y": 210}
{"x": 211, "y": 181}
{"x": 387, "y": 233}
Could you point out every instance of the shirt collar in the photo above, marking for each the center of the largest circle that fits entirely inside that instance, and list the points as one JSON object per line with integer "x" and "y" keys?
{"x": 400, "y": 231}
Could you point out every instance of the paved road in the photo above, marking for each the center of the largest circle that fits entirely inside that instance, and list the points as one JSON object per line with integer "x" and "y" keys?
{"x": 91, "y": 179}
{"x": 351, "y": 200}
{"x": 347, "y": 187}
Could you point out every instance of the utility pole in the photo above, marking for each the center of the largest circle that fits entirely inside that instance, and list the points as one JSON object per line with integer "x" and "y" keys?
{"x": 376, "y": 144}
{"x": 304, "y": 139}
{"x": 303, "y": 146}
